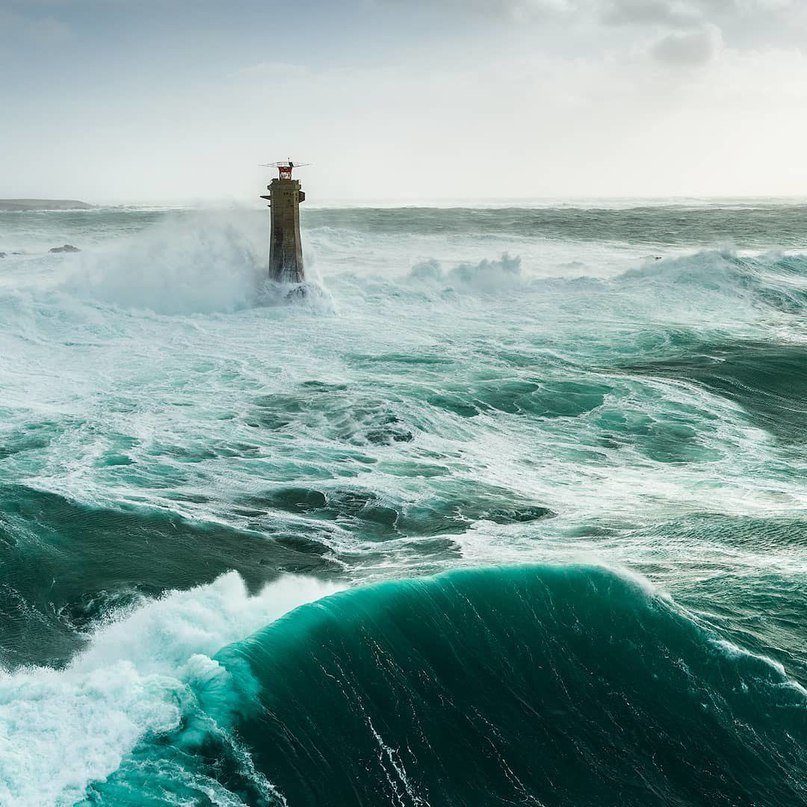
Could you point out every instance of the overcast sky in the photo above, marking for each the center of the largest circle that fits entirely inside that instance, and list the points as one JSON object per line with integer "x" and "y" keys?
{"x": 113, "y": 100}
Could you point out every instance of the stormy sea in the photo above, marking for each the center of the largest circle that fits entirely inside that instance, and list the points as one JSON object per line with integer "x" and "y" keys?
{"x": 509, "y": 509}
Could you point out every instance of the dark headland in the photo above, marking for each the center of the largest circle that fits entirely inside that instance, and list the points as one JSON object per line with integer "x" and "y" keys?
{"x": 43, "y": 204}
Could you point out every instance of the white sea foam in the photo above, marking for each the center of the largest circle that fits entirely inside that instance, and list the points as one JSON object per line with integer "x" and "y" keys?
{"x": 216, "y": 394}
{"x": 486, "y": 276}
{"x": 61, "y": 729}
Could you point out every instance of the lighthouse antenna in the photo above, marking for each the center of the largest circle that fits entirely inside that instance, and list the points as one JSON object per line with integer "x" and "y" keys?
{"x": 284, "y": 167}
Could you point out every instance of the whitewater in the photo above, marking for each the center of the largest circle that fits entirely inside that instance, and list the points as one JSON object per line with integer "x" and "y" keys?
{"x": 510, "y": 511}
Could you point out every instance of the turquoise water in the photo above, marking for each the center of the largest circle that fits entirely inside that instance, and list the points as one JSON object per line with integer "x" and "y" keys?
{"x": 512, "y": 511}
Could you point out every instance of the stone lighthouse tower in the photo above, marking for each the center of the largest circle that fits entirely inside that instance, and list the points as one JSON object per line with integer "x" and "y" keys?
{"x": 285, "y": 246}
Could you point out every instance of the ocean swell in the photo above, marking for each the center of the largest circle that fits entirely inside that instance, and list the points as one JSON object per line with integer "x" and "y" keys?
{"x": 521, "y": 685}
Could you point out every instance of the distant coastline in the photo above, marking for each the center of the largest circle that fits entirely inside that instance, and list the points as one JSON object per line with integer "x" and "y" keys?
{"x": 43, "y": 204}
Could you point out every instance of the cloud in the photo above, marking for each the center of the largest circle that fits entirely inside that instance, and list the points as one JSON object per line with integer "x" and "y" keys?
{"x": 652, "y": 12}
{"x": 275, "y": 71}
{"x": 688, "y": 48}
{"x": 39, "y": 31}
{"x": 766, "y": 18}
{"x": 515, "y": 10}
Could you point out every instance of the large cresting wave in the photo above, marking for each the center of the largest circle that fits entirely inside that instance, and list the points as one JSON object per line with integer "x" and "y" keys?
{"x": 523, "y": 685}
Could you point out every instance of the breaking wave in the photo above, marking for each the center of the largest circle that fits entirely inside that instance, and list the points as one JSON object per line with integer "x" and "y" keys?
{"x": 531, "y": 685}
{"x": 771, "y": 279}
{"x": 139, "y": 676}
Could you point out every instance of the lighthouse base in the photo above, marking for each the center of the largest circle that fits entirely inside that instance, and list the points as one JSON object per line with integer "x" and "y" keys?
{"x": 275, "y": 293}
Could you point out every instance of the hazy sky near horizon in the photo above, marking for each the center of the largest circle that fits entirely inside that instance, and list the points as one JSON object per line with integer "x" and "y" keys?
{"x": 114, "y": 100}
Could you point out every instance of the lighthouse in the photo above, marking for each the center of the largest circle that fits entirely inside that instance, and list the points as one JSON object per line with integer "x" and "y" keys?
{"x": 285, "y": 246}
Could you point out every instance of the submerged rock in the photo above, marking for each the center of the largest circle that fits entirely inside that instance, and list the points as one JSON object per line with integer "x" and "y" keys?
{"x": 66, "y": 248}
{"x": 2, "y": 254}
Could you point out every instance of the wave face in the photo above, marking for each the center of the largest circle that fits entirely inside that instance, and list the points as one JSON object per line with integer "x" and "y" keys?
{"x": 768, "y": 381}
{"x": 527, "y": 685}
{"x": 67, "y": 565}
{"x": 550, "y": 390}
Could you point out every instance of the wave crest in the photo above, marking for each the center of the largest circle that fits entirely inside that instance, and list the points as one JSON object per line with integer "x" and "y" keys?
{"x": 534, "y": 685}
{"x": 142, "y": 674}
